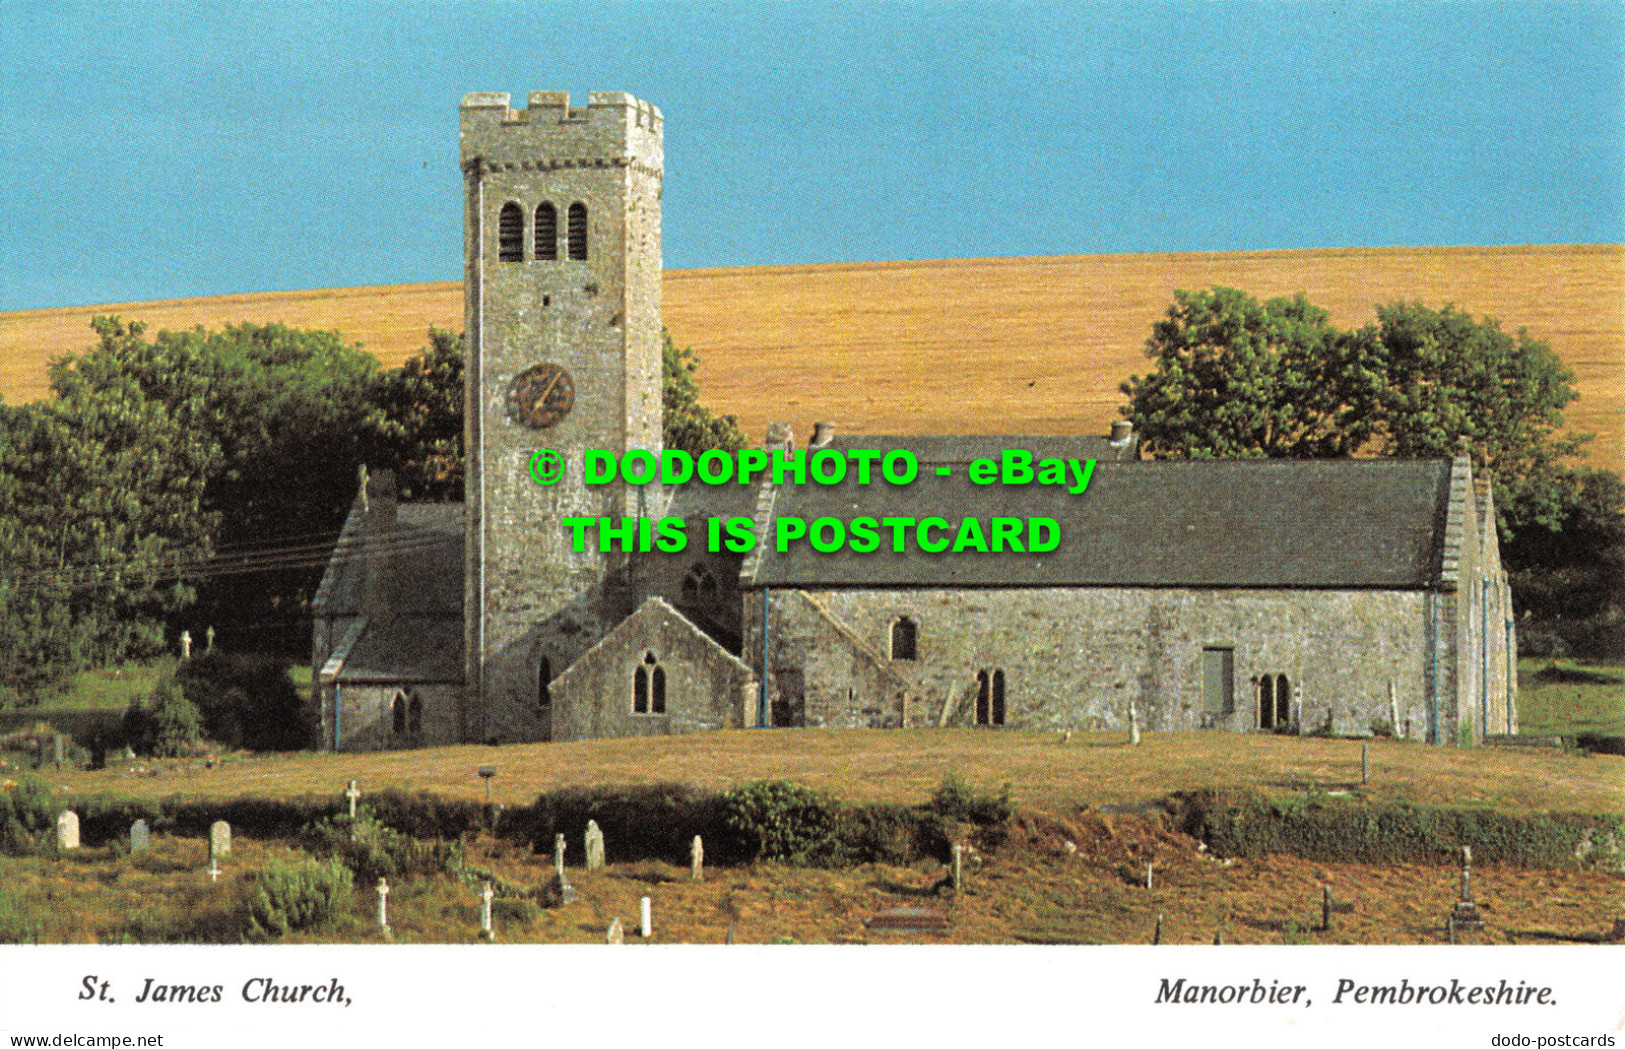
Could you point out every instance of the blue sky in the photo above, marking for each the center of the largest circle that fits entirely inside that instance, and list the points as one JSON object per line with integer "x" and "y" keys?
{"x": 160, "y": 150}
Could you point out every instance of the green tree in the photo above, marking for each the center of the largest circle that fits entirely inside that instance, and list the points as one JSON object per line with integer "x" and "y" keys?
{"x": 1236, "y": 378}
{"x": 689, "y": 425}
{"x": 421, "y": 430}
{"x": 165, "y": 726}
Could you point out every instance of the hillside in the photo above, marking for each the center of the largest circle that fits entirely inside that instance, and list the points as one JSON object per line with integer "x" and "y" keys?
{"x": 973, "y": 345}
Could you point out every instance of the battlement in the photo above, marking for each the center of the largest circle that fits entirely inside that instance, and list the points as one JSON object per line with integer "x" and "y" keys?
{"x": 554, "y": 106}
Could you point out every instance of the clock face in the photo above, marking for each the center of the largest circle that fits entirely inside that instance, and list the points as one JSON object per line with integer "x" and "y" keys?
{"x": 542, "y": 395}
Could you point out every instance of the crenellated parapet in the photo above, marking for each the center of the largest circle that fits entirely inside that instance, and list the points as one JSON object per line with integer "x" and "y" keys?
{"x": 614, "y": 130}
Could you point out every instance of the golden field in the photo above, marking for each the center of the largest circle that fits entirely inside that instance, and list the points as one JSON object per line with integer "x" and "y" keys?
{"x": 1034, "y": 345}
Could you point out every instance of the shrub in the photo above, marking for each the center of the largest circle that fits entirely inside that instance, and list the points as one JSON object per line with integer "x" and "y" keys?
{"x": 957, "y": 800}
{"x": 247, "y": 701}
{"x": 298, "y": 894}
{"x": 26, "y": 814}
{"x": 1464, "y": 732}
{"x": 373, "y": 850}
{"x": 167, "y": 726}
{"x": 780, "y": 821}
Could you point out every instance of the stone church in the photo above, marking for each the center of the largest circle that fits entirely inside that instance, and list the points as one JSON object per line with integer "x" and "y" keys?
{"x": 1349, "y": 596}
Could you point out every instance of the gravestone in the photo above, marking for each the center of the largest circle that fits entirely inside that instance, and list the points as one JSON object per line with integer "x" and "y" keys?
{"x": 486, "y": 929}
{"x": 67, "y": 830}
{"x": 561, "y": 884}
{"x": 186, "y": 644}
{"x": 696, "y": 860}
{"x": 594, "y": 846}
{"x": 1133, "y": 724}
{"x": 352, "y": 794}
{"x": 959, "y": 867}
{"x": 383, "y": 904}
{"x": 208, "y": 640}
{"x": 616, "y": 934}
{"x": 140, "y": 837}
{"x": 220, "y": 838}
{"x": 1148, "y": 876}
{"x": 1465, "y": 914}
{"x": 646, "y": 918}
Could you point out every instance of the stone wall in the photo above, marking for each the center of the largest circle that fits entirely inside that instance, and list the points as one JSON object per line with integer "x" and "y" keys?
{"x": 1074, "y": 658}
{"x": 366, "y": 715}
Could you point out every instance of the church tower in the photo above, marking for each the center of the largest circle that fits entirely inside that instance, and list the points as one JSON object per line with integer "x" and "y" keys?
{"x": 561, "y": 285}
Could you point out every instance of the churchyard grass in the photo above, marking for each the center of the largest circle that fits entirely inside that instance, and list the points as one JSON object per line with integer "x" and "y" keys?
{"x": 1567, "y": 698}
{"x": 907, "y": 766}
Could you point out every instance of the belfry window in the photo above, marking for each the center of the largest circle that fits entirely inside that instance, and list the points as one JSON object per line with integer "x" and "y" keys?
{"x": 511, "y": 233}
{"x": 578, "y": 232}
{"x": 903, "y": 636}
{"x": 547, "y": 233}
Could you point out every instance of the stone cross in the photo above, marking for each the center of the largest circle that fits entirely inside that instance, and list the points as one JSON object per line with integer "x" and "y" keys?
{"x": 220, "y": 838}
{"x": 959, "y": 867}
{"x": 353, "y": 794}
{"x": 140, "y": 837}
{"x": 1467, "y": 874}
{"x": 1365, "y": 763}
{"x": 594, "y": 846}
{"x": 214, "y": 870}
{"x": 616, "y": 934}
{"x": 383, "y": 904}
{"x": 646, "y": 919}
{"x": 208, "y": 640}
{"x": 696, "y": 860}
{"x": 485, "y": 912}
{"x": 1133, "y": 724}
{"x": 186, "y": 644}
{"x": 67, "y": 830}
{"x": 558, "y": 856}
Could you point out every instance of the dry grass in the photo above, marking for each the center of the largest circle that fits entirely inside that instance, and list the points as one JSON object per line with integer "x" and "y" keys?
{"x": 976, "y": 345}
{"x": 907, "y": 766}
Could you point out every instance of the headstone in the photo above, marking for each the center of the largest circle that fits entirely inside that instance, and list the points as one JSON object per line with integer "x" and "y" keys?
{"x": 383, "y": 904}
{"x": 646, "y": 918}
{"x": 352, "y": 794}
{"x": 1365, "y": 763}
{"x": 616, "y": 934}
{"x": 486, "y": 929}
{"x": 594, "y": 846}
{"x": 1325, "y": 908}
{"x": 220, "y": 838}
{"x": 186, "y": 644}
{"x": 696, "y": 860}
{"x": 959, "y": 867}
{"x": 1133, "y": 724}
{"x": 140, "y": 837}
{"x": 67, "y": 830}
{"x": 1149, "y": 882}
{"x": 561, "y": 884}
{"x": 208, "y": 640}
{"x": 1465, "y": 914}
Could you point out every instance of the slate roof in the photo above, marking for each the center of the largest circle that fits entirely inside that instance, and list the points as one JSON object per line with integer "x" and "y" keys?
{"x": 424, "y": 552}
{"x": 407, "y": 648}
{"x": 1370, "y": 523}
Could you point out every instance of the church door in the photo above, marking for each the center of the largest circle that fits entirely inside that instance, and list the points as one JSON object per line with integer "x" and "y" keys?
{"x": 790, "y": 707}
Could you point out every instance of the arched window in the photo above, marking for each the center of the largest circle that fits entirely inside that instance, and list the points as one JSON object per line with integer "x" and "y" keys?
{"x": 414, "y": 716}
{"x": 657, "y": 691}
{"x": 398, "y": 714}
{"x": 984, "y": 699}
{"x": 640, "y": 691}
{"x": 998, "y": 697}
{"x": 1283, "y": 702}
{"x": 649, "y": 687}
{"x": 511, "y": 233}
{"x": 547, "y": 232}
{"x": 903, "y": 634}
{"x": 1266, "y": 702}
{"x": 544, "y": 683}
{"x": 578, "y": 231}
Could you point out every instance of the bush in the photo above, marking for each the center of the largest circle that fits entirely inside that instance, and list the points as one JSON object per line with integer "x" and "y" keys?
{"x": 373, "y": 850}
{"x": 298, "y": 894}
{"x": 957, "y": 800}
{"x": 167, "y": 726}
{"x": 26, "y": 814}
{"x": 780, "y": 821}
{"x": 247, "y": 701}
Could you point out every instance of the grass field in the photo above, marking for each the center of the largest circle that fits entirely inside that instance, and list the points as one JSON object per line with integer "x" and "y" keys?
{"x": 1564, "y": 698}
{"x": 1033, "y": 345}
{"x": 907, "y": 765}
